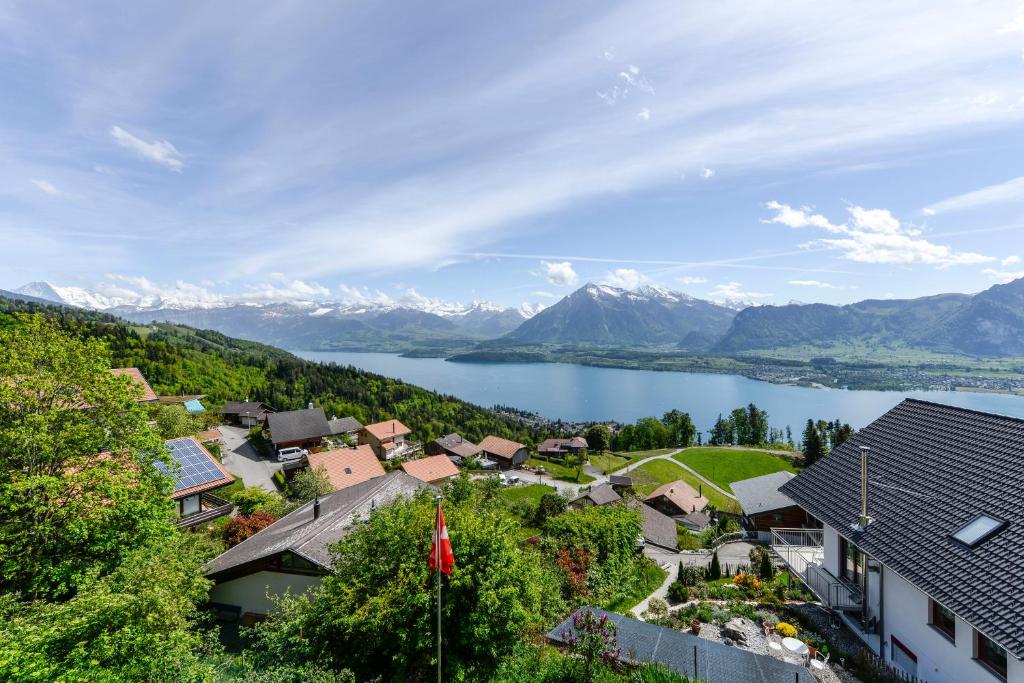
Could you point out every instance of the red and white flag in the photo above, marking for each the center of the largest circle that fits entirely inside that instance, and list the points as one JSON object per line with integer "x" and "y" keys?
{"x": 445, "y": 556}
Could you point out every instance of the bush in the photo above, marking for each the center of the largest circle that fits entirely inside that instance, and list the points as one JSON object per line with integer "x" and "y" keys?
{"x": 688, "y": 541}
{"x": 678, "y": 592}
{"x": 690, "y": 575}
{"x": 715, "y": 570}
{"x": 255, "y": 499}
{"x": 245, "y": 526}
{"x": 747, "y": 582}
{"x": 657, "y": 611}
{"x": 785, "y": 630}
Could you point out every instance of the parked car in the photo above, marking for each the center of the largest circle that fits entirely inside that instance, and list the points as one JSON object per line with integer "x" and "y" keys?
{"x": 292, "y": 453}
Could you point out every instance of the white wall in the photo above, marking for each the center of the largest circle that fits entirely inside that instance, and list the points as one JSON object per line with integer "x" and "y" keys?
{"x": 831, "y": 549}
{"x": 938, "y": 660}
{"x": 250, "y": 592}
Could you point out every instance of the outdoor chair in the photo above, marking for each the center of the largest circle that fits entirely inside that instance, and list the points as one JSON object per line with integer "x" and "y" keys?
{"x": 818, "y": 663}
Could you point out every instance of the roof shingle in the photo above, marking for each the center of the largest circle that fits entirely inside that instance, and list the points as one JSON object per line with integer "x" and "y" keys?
{"x": 499, "y": 446}
{"x": 431, "y": 468}
{"x": 347, "y": 466}
{"x": 761, "y": 494}
{"x": 298, "y": 425}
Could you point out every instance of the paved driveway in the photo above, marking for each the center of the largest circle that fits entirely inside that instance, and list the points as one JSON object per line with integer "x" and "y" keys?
{"x": 243, "y": 461}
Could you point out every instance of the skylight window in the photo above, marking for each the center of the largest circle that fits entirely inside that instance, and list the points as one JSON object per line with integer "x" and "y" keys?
{"x": 978, "y": 529}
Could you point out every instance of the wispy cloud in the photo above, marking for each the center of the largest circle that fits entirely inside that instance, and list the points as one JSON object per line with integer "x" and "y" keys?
{"x": 159, "y": 151}
{"x": 1000, "y": 193}
{"x": 1002, "y": 276}
{"x": 542, "y": 293}
{"x": 707, "y": 173}
{"x": 1011, "y": 260}
{"x": 45, "y": 187}
{"x": 692, "y": 280}
{"x": 626, "y": 278}
{"x": 814, "y": 283}
{"x": 734, "y": 291}
{"x": 560, "y": 273}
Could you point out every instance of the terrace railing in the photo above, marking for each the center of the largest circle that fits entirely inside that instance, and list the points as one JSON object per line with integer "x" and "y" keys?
{"x": 802, "y": 550}
{"x": 211, "y": 507}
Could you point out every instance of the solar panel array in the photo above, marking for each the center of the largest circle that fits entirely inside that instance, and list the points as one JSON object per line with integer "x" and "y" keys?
{"x": 196, "y": 466}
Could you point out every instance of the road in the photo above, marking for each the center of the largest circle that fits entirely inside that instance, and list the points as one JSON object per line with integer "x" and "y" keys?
{"x": 242, "y": 460}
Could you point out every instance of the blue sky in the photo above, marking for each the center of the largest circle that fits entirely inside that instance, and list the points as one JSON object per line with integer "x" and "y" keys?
{"x": 512, "y": 151}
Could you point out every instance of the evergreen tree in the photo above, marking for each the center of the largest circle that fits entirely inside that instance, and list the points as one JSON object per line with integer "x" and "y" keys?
{"x": 714, "y": 569}
{"x": 766, "y": 571}
{"x": 812, "y": 444}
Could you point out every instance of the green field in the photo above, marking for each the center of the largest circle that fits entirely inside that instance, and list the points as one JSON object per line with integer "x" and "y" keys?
{"x": 530, "y": 492}
{"x": 651, "y": 475}
{"x": 558, "y": 471}
{"x": 609, "y": 462}
{"x": 726, "y": 465}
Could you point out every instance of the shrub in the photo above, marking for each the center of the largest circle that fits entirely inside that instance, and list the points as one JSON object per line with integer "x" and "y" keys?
{"x": 765, "y": 569}
{"x": 720, "y": 616}
{"x": 678, "y": 592}
{"x": 244, "y": 526}
{"x": 690, "y": 575}
{"x": 747, "y": 581}
{"x": 657, "y": 611}
{"x": 715, "y": 569}
{"x": 255, "y": 499}
{"x": 785, "y": 630}
{"x": 688, "y": 541}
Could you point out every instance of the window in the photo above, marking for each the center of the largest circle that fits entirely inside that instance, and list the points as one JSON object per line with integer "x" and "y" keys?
{"x": 978, "y": 529}
{"x": 189, "y": 505}
{"x": 851, "y": 562}
{"x": 903, "y": 657}
{"x": 990, "y": 655}
{"x": 942, "y": 620}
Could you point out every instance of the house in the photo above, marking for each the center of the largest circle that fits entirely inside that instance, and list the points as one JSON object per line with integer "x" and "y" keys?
{"x": 765, "y": 507}
{"x": 148, "y": 395}
{"x": 676, "y": 499}
{"x": 299, "y": 428}
{"x": 695, "y": 521}
{"x": 212, "y": 436}
{"x": 344, "y": 426}
{"x": 688, "y": 655}
{"x": 459, "y": 450}
{"x": 433, "y": 469}
{"x": 197, "y": 475}
{"x": 558, "y": 448}
{"x": 387, "y": 439}
{"x": 245, "y": 413}
{"x": 922, "y": 540}
{"x": 620, "y": 482}
{"x": 659, "y": 529}
{"x": 194, "y": 407}
{"x": 507, "y": 454}
{"x": 292, "y": 554}
{"x": 347, "y": 466}
{"x": 603, "y": 494}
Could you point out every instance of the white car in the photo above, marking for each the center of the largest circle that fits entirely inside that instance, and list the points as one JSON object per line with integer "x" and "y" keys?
{"x": 293, "y": 453}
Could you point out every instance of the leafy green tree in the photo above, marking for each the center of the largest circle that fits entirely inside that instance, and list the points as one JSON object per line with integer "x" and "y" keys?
{"x": 174, "y": 421}
{"x": 255, "y": 499}
{"x": 78, "y": 485}
{"x": 680, "y": 426}
{"x": 598, "y": 438}
{"x": 721, "y": 432}
{"x": 550, "y": 505}
{"x": 460, "y": 489}
{"x": 310, "y": 483}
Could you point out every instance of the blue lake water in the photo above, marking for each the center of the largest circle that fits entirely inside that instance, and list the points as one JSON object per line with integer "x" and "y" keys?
{"x": 580, "y": 393}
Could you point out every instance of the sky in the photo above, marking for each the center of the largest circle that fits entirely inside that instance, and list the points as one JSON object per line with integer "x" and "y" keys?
{"x": 511, "y": 152}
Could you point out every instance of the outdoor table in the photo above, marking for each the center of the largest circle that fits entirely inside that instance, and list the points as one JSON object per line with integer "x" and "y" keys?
{"x": 794, "y": 646}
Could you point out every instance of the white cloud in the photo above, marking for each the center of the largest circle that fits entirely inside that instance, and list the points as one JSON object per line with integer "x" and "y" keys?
{"x": 707, "y": 173}
{"x": 1001, "y": 193}
{"x": 159, "y": 151}
{"x": 44, "y": 186}
{"x": 1016, "y": 25}
{"x": 813, "y": 283}
{"x": 282, "y": 288}
{"x": 546, "y": 295}
{"x": 560, "y": 273}
{"x": 1011, "y": 260}
{"x": 1002, "y": 276}
{"x": 874, "y": 236}
{"x": 693, "y": 280}
{"x": 733, "y": 291}
{"x": 626, "y": 278}
{"x": 644, "y": 115}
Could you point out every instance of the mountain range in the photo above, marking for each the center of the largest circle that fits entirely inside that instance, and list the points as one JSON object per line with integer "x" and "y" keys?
{"x": 990, "y": 323}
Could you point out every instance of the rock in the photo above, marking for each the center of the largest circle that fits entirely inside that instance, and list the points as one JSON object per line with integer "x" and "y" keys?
{"x": 736, "y": 629}
{"x": 728, "y": 641}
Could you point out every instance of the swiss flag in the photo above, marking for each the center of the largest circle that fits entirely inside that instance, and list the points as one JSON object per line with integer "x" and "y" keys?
{"x": 446, "y": 556}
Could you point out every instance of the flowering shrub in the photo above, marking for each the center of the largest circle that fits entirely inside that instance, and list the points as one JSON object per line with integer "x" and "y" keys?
{"x": 592, "y": 639}
{"x": 785, "y": 630}
{"x": 574, "y": 563}
{"x": 244, "y": 526}
{"x": 748, "y": 581}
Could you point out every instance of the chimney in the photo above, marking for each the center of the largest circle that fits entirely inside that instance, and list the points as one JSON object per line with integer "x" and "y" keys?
{"x": 316, "y": 507}
{"x": 864, "y": 519}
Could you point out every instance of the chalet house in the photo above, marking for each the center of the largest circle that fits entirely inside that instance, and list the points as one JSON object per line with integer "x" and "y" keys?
{"x": 659, "y": 529}
{"x": 507, "y": 454}
{"x": 300, "y": 428}
{"x": 598, "y": 495}
{"x": 344, "y": 426}
{"x": 347, "y": 466}
{"x": 245, "y": 413}
{"x": 676, "y": 499}
{"x": 433, "y": 469}
{"x": 765, "y": 507}
{"x": 148, "y": 395}
{"x": 922, "y": 540}
{"x": 388, "y": 439}
{"x": 198, "y": 474}
{"x": 459, "y": 450}
{"x": 558, "y": 448}
{"x": 292, "y": 553}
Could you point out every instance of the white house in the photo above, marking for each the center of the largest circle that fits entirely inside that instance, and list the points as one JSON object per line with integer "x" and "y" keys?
{"x": 922, "y": 546}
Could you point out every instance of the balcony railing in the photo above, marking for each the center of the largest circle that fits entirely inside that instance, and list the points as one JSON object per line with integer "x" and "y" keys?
{"x": 211, "y": 507}
{"x": 803, "y": 552}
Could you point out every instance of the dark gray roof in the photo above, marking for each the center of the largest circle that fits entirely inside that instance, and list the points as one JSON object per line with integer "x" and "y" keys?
{"x": 659, "y": 528}
{"x": 761, "y": 494}
{"x": 601, "y": 495}
{"x": 932, "y": 469}
{"x": 299, "y": 533}
{"x": 620, "y": 480}
{"x": 248, "y": 408}
{"x": 344, "y": 425}
{"x": 295, "y": 425}
{"x": 456, "y": 445}
{"x": 715, "y": 662}
{"x": 697, "y": 520}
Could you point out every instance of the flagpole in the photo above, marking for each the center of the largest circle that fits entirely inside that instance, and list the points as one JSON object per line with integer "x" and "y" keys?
{"x": 437, "y": 537}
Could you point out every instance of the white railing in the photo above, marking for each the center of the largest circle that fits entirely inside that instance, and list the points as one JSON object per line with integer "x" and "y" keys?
{"x": 803, "y": 552}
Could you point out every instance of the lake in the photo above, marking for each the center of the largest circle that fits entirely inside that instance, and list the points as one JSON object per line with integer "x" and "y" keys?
{"x": 580, "y": 394}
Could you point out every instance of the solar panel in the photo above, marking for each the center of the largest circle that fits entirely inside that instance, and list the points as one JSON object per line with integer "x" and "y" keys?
{"x": 196, "y": 466}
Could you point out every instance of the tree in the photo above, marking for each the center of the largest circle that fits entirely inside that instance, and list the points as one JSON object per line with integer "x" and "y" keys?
{"x": 255, "y": 499}
{"x": 740, "y": 427}
{"x": 680, "y": 427}
{"x": 757, "y": 426}
{"x": 174, "y": 421}
{"x": 78, "y": 483}
{"x": 242, "y": 527}
{"x": 598, "y": 438}
{"x": 550, "y": 505}
{"x": 714, "y": 569}
{"x": 721, "y": 432}
{"x": 309, "y": 484}
{"x": 766, "y": 571}
{"x": 460, "y": 489}
{"x": 812, "y": 443}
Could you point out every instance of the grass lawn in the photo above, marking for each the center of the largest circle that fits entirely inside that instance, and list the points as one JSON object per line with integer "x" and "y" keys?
{"x": 558, "y": 471}
{"x": 651, "y": 576}
{"x": 726, "y": 465}
{"x": 651, "y": 475}
{"x": 530, "y": 492}
{"x": 609, "y": 462}
{"x": 640, "y": 455}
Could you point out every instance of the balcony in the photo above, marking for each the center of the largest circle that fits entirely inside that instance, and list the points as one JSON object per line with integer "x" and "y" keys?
{"x": 210, "y": 508}
{"x": 802, "y": 551}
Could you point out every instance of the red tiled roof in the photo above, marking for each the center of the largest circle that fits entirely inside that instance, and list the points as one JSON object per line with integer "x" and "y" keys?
{"x": 383, "y": 431}
{"x": 500, "y": 446}
{"x": 348, "y": 466}
{"x": 210, "y": 435}
{"x": 681, "y": 494}
{"x": 147, "y": 391}
{"x": 431, "y": 468}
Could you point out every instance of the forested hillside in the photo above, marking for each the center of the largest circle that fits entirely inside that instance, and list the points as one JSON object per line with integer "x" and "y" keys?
{"x": 181, "y": 360}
